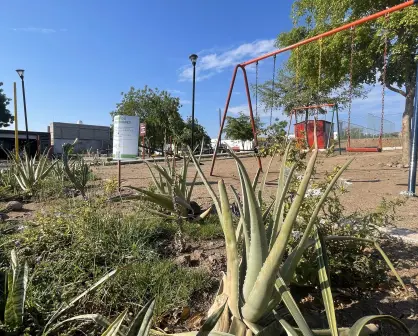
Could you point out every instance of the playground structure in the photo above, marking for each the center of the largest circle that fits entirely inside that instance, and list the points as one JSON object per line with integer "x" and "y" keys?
{"x": 318, "y": 37}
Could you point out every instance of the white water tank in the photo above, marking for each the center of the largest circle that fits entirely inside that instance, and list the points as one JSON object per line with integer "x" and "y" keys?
{"x": 79, "y": 122}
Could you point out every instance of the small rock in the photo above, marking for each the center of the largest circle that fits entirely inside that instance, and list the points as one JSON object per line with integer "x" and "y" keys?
{"x": 3, "y": 217}
{"x": 406, "y": 166}
{"x": 398, "y": 166}
{"x": 389, "y": 164}
{"x": 183, "y": 260}
{"x": 197, "y": 255}
{"x": 14, "y": 206}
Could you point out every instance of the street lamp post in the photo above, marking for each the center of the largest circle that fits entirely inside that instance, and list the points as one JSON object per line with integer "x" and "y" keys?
{"x": 193, "y": 59}
{"x": 20, "y": 72}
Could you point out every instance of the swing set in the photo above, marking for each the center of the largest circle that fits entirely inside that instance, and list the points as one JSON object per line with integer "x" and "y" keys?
{"x": 319, "y": 37}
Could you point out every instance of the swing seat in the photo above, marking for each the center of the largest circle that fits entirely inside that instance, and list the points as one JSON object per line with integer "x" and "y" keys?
{"x": 364, "y": 149}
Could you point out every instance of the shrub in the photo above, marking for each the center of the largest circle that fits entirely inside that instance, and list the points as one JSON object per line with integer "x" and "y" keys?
{"x": 75, "y": 242}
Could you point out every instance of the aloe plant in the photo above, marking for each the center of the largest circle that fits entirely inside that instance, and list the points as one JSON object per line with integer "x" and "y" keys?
{"x": 256, "y": 281}
{"x": 29, "y": 172}
{"x": 173, "y": 193}
{"x": 141, "y": 323}
{"x": 77, "y": 170}
{"x": 13, "y": 295}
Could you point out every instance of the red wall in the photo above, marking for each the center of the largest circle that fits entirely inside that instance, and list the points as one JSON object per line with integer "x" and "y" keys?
{"x": 322, "y": 131}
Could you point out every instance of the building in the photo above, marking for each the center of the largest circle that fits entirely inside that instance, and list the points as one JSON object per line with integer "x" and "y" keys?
{"x": 37, "y": 140}
{"x": 90, "y": 137}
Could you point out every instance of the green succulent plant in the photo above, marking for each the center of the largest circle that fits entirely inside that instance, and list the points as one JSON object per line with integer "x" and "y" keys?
{"x": 173, "y": 193}
{"x": 257, "y": 280}
{"x": 29, "y": 172}
{"x": 77, "y": 170}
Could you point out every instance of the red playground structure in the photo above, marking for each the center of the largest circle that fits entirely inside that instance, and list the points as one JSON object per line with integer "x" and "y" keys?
{"x": 323, "y": 131}
{"x": 295, "y": 46}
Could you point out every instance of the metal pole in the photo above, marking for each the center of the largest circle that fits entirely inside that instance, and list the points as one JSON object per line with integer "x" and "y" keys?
{"x": 24, "y": 109}
{"x": 331, "y": 127}
{"x": 194, "y": 87}
{"x": 414, "y": 147}
{"x": 119, "y": 175}
{"x": 250, "y": 108}
{"x": 338, "y": 129}
{"x": 228, "y": 99}
{"x": 15, "y": 121}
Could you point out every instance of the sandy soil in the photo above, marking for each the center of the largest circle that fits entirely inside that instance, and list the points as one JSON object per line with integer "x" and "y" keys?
{"x": 370, "y": 176}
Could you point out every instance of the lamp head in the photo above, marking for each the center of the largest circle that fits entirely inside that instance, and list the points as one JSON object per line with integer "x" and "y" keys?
{"x": 193, "y": 59}
{"x": 20, "y": 72}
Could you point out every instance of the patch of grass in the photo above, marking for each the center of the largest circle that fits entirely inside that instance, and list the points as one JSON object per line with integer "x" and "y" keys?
{"x": 209, "y": 228}
{"x": 73, "y": 243}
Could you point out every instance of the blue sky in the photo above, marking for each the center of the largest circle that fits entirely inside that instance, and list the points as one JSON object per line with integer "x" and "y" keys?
{"x": 80, "y": 55}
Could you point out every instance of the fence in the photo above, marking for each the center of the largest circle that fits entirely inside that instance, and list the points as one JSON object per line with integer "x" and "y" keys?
{"x": 362, "y": 136}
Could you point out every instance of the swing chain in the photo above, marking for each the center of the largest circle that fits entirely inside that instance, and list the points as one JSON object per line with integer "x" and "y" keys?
{"x": 272, "y": 90}
{"x": 385, "y": 62}
{"x": 256, "y": 90}
{"x": 351, "y": 84}
{"x": 320, "y": 66}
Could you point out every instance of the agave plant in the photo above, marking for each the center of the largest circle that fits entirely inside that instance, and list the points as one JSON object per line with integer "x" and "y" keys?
{"x": 13, "y": 295}
{"x": 173, "y": 192}
{"x": 77, "y": 170}
{"x": 256, "y": 282}
{"x": 29, "y": 172}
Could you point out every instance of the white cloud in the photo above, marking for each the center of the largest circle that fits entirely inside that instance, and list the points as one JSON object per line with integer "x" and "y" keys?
{"x": 38, "y": 30}
{"x": 185, "y": 102}
{"x": 210, "y": 64}
{"x": 175, "y": 92}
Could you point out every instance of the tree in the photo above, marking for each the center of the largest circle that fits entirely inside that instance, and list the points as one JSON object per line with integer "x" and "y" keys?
{"x": 312, "y": 17}
{"x": 185, "y": 136}
{"x": 6, "y": 117}
{"x": 239, "y": 128}
{"x": 158, "y": 109}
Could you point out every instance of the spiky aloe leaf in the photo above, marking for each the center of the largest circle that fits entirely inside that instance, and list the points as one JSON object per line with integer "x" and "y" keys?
{"x": 193, "y": 183}
{"x": 161, "y": 200}
{"x": 206, "y": 183}
{"x": 238, "y": 327}
{"x": 241, "y": 226}
{"x": 277, "y": 222}
{"x": 211, "y": 322}
{"x": 256, "y": 178}
{"x": 96, "y": 318}
{"x": 263, "y": 182}
{"x": 232, "y": 257}
{"x": 16, "y": 293}
{"x": 141, "y": 324}
{"x": 3, "y": 293}
{"x": 159, "y": 186}
{"x": 290, "y": 331}
{"x": 291, "y": 263}
{"x": 292, "y": 307}
{"x": 245, "y": 215}
{"x": 258, "y": 300}
{"x": 114, "y": 328}
{"x": 324, "y": 282}
{"x": 358, "y": 327}
{"x": 310, "y": 243}
{"x": 258, "y": 241}
{"x": 65, "y": 306}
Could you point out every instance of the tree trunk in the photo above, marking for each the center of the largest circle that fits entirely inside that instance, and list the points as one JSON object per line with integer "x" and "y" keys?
{"x": 406, "y": 128}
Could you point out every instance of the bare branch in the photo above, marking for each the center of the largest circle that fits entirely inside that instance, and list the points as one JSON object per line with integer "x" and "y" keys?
{"x": 390, "y": 87}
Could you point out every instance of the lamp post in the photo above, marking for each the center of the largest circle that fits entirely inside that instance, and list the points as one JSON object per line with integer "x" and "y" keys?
{"x": 20, "y": 72}
{"x": 193, "y": 59}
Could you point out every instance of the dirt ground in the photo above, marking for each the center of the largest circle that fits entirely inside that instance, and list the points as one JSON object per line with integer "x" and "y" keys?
{"x": 369, "y": 178}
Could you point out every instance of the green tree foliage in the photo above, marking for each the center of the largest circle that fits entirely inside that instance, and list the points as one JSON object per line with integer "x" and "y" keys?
{"x": 312, "y": 17}
{"x": 6, "y": 117}
{"x": 158, "y": 109}
{"x": 185, "y": 136}
{"x": 239, "y": 128}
